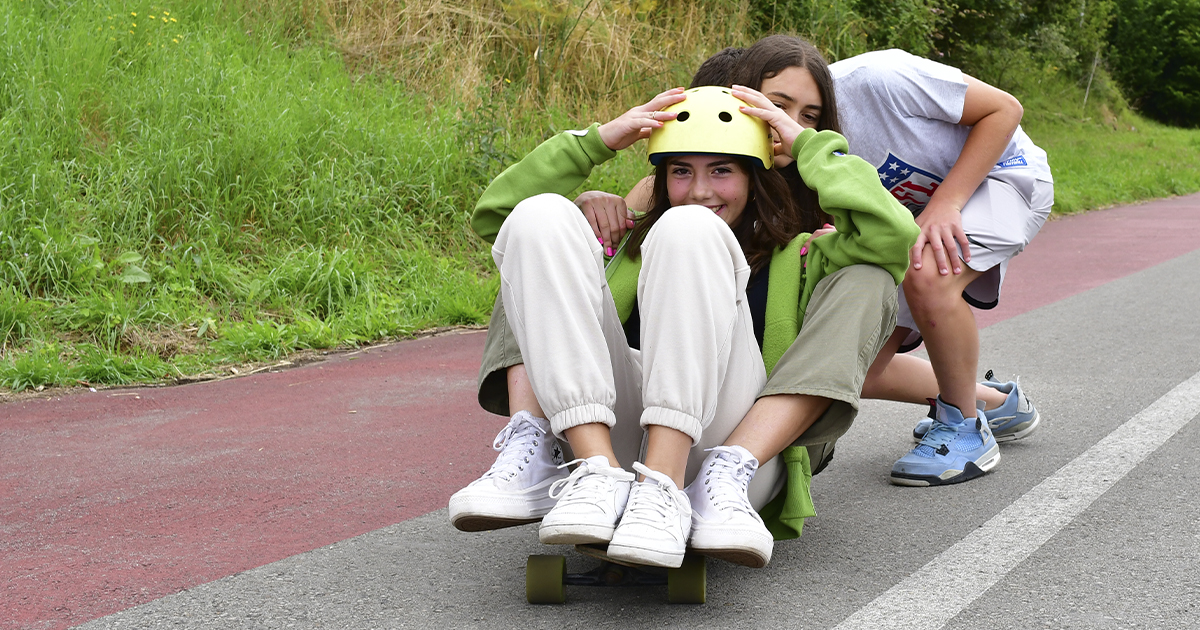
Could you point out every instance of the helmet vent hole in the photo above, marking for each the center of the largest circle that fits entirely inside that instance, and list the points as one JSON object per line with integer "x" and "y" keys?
{"x": 683, "y": 116}
{"x": 725, "y": 117}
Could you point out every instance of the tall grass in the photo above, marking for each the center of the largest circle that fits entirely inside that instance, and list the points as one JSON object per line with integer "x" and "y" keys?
{"x": 167, "y": 168}
{"x": 589, "y": 57}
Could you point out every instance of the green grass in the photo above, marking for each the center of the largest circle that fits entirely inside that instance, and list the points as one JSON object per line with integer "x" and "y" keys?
{"x": 238, "y": 189}
{"x": 210, "y": 190}
{"x": 1097, "y": 166}
{"x": 1104, "y": 154}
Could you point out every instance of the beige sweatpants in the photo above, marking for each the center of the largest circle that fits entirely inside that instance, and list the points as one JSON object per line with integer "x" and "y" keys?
{"x": 699, "y": 368}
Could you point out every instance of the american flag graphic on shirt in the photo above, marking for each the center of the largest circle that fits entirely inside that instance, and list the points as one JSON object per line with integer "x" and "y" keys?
{"x": 911, "y": 186}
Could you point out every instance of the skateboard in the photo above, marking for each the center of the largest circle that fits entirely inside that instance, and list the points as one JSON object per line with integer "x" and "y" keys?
{"x": 546, "y": 576}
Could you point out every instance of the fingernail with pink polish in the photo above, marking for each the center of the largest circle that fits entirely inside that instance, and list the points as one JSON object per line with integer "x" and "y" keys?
{"x": 608, "y": 251}
{"x": 804, "y": 250}
{"x": 600, "y": 240}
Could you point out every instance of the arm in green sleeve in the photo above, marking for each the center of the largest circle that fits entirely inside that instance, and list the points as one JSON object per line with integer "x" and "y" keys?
{"x": 558, "y": 165}
{"x": 872, "y": 227}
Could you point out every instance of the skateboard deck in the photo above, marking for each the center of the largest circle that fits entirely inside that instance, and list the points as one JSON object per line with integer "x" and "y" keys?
{"x": 546, "y": 576}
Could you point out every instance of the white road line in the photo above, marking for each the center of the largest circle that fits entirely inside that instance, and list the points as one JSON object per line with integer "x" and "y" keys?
{"x": 925, "y": 599}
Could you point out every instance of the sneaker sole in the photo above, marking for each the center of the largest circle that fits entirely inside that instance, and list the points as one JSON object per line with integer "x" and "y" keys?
{"x": 745, "y": 557}
{"x": 649, "y": 557}
{"x": 472, "y": 514}
{"x": 574, "y": 534}
{"x": 970, "y": 471}
{"x": 480, "y": 523}
{"x": 748, "y": 555}
{"x": 1021, "y": 430}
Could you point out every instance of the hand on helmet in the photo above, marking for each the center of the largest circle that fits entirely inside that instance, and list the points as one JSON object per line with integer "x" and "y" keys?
{"x": 638, "y": 122}
{"x": 785, "y": 128}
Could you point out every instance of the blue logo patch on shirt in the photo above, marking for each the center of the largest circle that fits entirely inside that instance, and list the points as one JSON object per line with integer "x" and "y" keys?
{"x": 911, "y": 186}
{"x": 1017, "y": 160}
{"x": 839, "y": 154}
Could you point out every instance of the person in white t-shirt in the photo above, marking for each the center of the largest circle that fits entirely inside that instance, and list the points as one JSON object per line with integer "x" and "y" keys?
{"x": 951, "y": 149}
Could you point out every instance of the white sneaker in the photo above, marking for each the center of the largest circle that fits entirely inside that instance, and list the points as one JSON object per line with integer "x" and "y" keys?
{"x": 590, "y": 502}
{"x": 516, "y": 489}
{"x": 724, "y": 524}
{"x": 654, "y": 529}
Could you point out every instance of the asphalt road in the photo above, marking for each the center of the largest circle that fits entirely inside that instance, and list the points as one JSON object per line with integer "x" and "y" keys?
{"x": 304, "y": 498}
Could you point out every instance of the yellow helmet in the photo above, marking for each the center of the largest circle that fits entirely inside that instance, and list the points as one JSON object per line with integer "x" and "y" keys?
{"x": 710, "y": 122}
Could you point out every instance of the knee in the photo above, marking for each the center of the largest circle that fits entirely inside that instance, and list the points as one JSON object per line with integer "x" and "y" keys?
{"x": 860, "y": 288}
{"x": 687, "y": 227}
{"x": 683, "y": 220}
{"x": 543, "y": 215}
{"x": 870, "y": 280}
{"x": 926, "y": 288}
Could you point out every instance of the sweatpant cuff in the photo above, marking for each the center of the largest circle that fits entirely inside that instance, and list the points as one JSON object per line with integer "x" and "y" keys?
{"x": 677, "y": 420}
{"x": 582, "y": 414}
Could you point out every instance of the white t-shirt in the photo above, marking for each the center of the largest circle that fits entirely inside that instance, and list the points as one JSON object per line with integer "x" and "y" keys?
{"x": 900, "y": 113}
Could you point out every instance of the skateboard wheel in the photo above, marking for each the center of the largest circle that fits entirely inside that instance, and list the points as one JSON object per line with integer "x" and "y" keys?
{"x": 545, "y": 579}
{"x": 687, "y": 584}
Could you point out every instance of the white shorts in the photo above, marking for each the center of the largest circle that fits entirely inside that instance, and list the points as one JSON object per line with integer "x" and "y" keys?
{"x": 1005, "y": 213}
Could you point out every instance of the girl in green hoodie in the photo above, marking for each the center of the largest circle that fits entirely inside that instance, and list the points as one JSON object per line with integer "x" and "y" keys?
{"x": 695, "y": 371}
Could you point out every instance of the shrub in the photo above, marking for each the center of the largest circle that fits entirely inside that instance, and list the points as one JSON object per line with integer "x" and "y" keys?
{"x": 1010, "y": 43}
{"x": 1155, "y": 57}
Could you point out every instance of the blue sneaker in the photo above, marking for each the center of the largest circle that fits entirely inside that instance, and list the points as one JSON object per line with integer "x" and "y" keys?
{"x": 1013, "y": 420}
{"x": 952, "y": 451}
{"x": 1016, "y": 418}
{"x": 922, "y": 427}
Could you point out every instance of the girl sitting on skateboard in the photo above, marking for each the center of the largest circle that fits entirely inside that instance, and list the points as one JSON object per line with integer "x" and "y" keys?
{"x": 660, "y": 345}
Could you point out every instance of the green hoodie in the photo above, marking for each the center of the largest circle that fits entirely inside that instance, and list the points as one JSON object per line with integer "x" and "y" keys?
{"x": 872, "y": 228}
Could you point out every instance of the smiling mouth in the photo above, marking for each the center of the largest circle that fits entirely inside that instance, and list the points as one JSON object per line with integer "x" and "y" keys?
{"x": 717, "y": 210}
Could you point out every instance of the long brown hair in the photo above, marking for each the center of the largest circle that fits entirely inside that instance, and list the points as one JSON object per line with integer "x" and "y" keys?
{"x": 769, "y": 220}
{"x": 767, "y": 58}
{"x": 775, "y": 53}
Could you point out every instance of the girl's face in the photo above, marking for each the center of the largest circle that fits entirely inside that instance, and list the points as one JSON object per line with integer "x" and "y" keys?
{"x": 795, "y": 92}
{"x": 717, "y": 182}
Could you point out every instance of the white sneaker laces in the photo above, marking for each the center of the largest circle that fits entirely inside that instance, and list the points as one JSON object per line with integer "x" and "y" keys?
{"x": 517, "y": 442}
{"x": 726, "y": 479}
{"x": 652, "y": 503}
{"x": 586, "y": 476}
